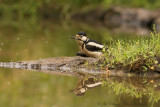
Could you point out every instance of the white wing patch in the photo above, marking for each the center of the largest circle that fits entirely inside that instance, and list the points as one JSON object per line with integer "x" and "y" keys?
{"x": 95, "y": 44}
{"x": 93, "y": 85}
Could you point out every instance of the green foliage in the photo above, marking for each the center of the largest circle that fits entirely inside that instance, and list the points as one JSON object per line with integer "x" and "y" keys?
{"x": 134, "y": 3}
{"x": 35, "y": 8}
{"x": 134, "y": 55}
{"x": 19, "y": 8}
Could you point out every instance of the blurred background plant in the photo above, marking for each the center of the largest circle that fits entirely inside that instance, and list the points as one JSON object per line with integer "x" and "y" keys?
{"x": 39, "y": 8}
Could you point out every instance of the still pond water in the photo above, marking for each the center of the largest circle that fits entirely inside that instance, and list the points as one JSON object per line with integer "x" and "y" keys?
{"x": 33, "y": 40}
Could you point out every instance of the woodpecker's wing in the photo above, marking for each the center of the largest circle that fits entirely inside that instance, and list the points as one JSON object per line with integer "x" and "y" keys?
{"x": 92, "y": 45}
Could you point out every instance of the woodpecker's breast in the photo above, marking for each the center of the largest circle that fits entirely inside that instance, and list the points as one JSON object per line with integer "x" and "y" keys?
{"x": 79, "y": 45}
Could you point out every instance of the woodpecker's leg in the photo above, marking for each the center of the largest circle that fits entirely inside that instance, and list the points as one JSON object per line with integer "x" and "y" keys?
{"x": 81, "y": 54}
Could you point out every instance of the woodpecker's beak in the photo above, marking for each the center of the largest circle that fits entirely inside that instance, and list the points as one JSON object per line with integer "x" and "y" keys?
{"x": 74, "y": 37}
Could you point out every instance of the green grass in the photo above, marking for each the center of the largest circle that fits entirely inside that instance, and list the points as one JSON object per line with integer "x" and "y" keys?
{"x": 138, "y": 55}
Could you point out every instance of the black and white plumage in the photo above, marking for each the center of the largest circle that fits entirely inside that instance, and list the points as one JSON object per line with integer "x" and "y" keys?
{"x": 92, "y": 48}
{"x": 92, "y": 45}
{"x": 87, "y": 46}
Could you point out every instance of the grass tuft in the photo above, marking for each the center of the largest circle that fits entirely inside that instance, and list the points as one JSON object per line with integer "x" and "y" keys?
{"x": 140, "y": 55}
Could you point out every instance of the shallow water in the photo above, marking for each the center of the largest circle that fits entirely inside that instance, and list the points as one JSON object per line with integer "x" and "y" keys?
{"x": 28, "y": 88}
{"x": 32, "y": 40}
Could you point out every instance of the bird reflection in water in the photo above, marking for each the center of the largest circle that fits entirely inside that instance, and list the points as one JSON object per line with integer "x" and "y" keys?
{"x": 84, "y": 84}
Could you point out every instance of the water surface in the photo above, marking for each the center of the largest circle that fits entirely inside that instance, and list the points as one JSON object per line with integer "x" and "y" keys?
{"x": 33, "y": 40}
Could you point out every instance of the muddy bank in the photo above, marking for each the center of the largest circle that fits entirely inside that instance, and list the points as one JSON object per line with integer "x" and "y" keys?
{"x": 71, "y": 66}
{"x": 119, "y": 19}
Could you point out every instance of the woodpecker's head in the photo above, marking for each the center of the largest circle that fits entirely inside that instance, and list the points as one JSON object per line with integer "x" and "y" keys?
{"x": 80, "y": 36}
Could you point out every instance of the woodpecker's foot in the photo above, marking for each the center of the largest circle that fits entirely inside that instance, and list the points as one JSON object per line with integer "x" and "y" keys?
{"x": 81, "y": 54}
